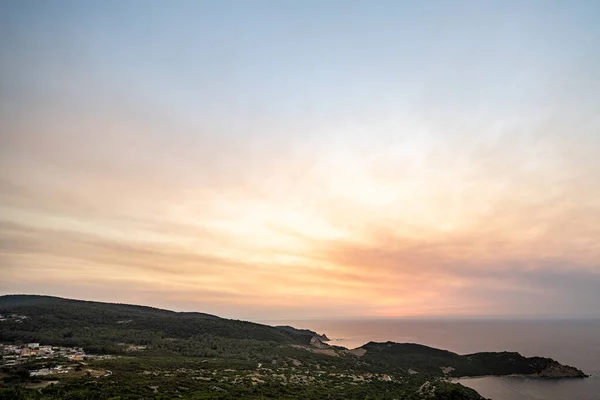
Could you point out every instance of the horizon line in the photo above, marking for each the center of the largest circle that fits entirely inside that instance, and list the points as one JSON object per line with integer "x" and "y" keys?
{"x": 531, "y": 318}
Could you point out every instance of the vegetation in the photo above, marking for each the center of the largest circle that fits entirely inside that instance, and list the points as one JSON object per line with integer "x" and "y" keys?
{"x": 191, "y": 378}
{"x": 99, "y": 327}
{"x": 201, "y": 356}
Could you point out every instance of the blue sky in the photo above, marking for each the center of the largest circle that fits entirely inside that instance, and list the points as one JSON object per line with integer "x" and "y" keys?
{"x": 312, "y": 60}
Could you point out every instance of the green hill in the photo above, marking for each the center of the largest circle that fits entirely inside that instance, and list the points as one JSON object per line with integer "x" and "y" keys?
{"x": 100, "y": 327}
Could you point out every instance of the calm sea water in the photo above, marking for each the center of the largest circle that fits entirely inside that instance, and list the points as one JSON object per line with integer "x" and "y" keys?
{"x": 570, "y": 342}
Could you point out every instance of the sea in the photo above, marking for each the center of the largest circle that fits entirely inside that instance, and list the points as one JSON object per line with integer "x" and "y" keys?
{"x": 571, "y": 342}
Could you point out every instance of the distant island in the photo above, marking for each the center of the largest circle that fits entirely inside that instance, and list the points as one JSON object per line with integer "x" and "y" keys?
{"x": 55, "y": 348}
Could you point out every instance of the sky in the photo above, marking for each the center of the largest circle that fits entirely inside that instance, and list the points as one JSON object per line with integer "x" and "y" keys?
{"x": 303, "y": 159}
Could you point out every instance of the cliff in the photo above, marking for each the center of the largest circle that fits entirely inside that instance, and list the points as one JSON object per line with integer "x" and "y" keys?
{"x": 306, "y": 332}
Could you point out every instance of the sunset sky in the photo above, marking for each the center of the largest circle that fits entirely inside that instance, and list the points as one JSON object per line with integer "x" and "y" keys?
{"x": 303, "y": 159}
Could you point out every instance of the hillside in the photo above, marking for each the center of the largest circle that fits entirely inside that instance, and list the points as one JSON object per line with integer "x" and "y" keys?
{"x": 99, "y": 327}
{"x": 156, "y": 353}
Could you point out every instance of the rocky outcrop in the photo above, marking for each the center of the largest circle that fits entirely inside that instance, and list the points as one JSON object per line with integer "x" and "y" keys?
{"x": 557, "y": 370}
{"x": 318, "y": 343}
{"x": 305, "y": 332}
